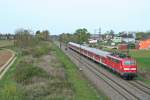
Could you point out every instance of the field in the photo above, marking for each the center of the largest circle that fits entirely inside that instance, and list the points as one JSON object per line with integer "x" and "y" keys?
{"x": 142, "y": 57}
{"x": 143, "y": 61}
{"x": 4, "y": 56}
{"x": 5, "y": 43}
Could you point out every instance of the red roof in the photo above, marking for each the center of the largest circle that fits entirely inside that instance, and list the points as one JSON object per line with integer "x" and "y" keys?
{"x": 145, "y": 44}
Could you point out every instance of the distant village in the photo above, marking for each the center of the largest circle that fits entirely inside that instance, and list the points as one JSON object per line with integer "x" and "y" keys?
{"x": 123, "y": 40}
{"x": 6, "y": 36}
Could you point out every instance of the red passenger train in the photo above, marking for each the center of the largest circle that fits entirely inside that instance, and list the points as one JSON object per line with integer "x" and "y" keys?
{"x": 124, "y": 65}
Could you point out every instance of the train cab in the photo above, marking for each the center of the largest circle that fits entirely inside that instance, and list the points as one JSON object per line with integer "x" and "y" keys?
{"x": 129, "y": 68}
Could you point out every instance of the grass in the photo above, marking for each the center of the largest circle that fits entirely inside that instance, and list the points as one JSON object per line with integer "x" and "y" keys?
{"x": 6, "y": 43}
{"x": 143, "y": 61}
{"x": 82, "y": 89}
{"x": 142, "y": 57}
{"x": 9, "y": 90}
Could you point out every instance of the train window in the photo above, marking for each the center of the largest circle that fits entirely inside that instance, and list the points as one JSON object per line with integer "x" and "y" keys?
{"x": 114, "y": 60}
{"x": 97, "y": 56}
{"x": 129, "y": 63}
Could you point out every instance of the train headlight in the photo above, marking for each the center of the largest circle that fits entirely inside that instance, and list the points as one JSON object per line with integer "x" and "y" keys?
{"x": 129, "y": 68}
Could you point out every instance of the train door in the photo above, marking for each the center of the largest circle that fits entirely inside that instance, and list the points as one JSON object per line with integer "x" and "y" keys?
{"x": 90, "y": 55}
{"x": 85, "y": 52}
{"x": 120, "y": 66}
{"x": 97, "y": 58}
{"x": 100, "y": 59}
{"x": 109, "y": 62}
{"x": 117, "y": 65}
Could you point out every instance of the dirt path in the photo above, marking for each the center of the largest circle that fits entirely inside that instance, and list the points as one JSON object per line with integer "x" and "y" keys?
{"x": 4, "y": 56}
{"x": 7, "y": 57}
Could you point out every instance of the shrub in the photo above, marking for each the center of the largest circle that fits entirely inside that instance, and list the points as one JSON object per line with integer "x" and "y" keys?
{"x": 40, "y": 50}
{"x": 36, "y": 50}
{"x": 25, "y": 71}
{"x": 27, "y": 51}
{"x": 52, "y": 90}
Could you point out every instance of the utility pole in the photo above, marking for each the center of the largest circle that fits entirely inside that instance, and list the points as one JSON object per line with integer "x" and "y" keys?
{"x": 94, "y": 34}
{"x": 128, "y": 44}
{"x": 99, "y": 33}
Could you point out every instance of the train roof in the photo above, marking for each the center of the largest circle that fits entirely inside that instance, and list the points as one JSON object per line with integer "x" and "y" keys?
{"x": 94, "y": 50}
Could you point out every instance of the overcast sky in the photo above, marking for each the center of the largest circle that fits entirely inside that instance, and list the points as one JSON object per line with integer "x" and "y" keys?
{"x": 60, "y": 16}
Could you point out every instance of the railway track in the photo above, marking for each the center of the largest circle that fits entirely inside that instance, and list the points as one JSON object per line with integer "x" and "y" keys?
{"x": 141, "y": 83}
{"x": 129, "y": 90}
{"x": 141, "y": 87}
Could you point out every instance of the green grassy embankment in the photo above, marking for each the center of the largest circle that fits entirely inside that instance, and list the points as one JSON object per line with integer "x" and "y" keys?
{"x": 143, "y": 61}
{"x": 38, "y": 74}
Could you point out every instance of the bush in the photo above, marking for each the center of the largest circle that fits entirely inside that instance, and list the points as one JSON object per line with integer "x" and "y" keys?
{"x": 36, "y": 50}
{"x": 27, "y": 51}
{"x": 25, "y": 71}
{"x": 40, "y": 50}
{"x": 49, "y": 91}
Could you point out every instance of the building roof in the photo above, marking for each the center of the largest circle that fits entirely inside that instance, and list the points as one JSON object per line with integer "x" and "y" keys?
{"x": 145, "y": 44}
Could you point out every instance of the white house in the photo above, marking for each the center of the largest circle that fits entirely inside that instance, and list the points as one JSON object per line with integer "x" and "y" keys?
{"x": 128, "y": 40}
{"x": 117, "y": 39}
{"x": 92, "y": 41}
{"x": 128, "y": 37}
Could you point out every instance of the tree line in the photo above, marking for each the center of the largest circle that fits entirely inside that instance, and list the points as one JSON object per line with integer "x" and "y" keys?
{"x": 79, "y": 36}
{"x": 24, "y": 38}
{"x": 6, "y": 36}
{"x": 142, "y": 35}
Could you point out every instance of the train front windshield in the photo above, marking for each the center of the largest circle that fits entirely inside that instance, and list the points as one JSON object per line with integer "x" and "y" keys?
{"x": 130, "y": 62}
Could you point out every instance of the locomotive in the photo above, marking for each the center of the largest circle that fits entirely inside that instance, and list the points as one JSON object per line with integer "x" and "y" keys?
{"x": 125, "y": 66}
